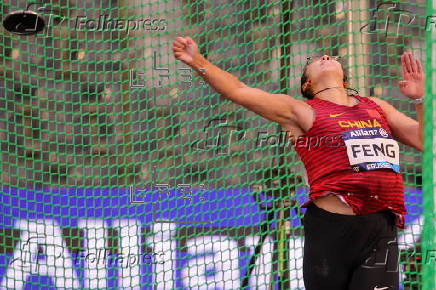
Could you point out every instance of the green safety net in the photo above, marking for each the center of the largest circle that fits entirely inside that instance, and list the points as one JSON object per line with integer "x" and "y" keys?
{"x": 108, "y": 142}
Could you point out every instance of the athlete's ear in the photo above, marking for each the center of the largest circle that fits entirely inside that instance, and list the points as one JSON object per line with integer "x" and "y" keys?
{"x": 306, "y": 85}
{"x": 345, "y": 84}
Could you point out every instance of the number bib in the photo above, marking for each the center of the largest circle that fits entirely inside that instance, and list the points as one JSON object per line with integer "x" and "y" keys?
{"x": 371, "y": 149}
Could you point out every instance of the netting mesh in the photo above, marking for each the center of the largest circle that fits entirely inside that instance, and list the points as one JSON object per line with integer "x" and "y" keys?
{"x": 121, "y": 168}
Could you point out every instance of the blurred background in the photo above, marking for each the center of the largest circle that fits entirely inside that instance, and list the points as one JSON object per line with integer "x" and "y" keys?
{"x": 88, "y": 103}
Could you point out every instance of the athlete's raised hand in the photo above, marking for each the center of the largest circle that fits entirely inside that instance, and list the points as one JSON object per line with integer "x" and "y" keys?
{"x": 184, "y": 49}
{"x": 413, "y": 83}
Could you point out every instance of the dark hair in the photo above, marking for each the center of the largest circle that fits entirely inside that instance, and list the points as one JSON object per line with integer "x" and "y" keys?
{"x": 308, "y": 94}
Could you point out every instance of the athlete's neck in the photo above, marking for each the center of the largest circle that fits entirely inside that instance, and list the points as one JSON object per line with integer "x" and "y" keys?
{"x": 330, "y": 88}
{"x": 337, "y": 95}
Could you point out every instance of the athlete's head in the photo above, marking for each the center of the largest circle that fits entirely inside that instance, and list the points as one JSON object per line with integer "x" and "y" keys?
{"x": 322, "y": 69}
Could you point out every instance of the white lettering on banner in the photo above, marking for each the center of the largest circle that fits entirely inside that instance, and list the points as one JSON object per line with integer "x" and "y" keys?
{"x": 296, "y": 246}
{"x": 409, "y": 239}
{"x": 95, "y": 239}
{"x": 218, "y": 254}
{"x": 129, "y": 273}
{"x": 36, "y": 235}
{"x": 372, "y": 150}
{"x": 163, "y": 241}
{"x": 261, "y": 274}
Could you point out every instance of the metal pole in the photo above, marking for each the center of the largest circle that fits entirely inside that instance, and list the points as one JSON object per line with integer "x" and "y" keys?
{"x": 126, "y": 152}
{"x": 428, "y": 188}
{"x": 282, "y": 237}
{"x": 358, "y": 51}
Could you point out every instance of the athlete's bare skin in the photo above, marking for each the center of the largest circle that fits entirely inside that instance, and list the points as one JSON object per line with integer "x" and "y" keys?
{"x": 295, "y": 116}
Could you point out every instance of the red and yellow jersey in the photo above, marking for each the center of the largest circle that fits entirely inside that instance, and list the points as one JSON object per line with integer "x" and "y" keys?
{"x": 350, "y": 151}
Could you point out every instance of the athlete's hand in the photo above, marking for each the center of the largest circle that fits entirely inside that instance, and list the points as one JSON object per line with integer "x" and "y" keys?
{"x": 185, "y": 49}
{"x": 413, "y": 83}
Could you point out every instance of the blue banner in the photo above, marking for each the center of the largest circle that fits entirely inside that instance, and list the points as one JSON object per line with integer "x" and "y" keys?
{"x": 170, "y": 238}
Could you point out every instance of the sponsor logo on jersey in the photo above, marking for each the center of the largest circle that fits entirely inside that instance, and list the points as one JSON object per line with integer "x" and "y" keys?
{"x": 336, "y": 115}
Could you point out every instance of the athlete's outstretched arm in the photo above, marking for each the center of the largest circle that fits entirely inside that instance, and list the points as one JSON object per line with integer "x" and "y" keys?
{"x": 275, "y": 107}
{"x": 405, "y": 129}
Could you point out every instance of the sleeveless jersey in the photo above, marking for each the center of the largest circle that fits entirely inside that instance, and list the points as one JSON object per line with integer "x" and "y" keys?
{"x": 350, "y": 152}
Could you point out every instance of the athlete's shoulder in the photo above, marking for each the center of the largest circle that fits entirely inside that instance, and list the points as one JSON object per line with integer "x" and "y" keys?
{"x": 375, "y": 100}
{"x": 302, "y": 104}
{"x": 383, "y": 107}
{"x": 382, "y": 104}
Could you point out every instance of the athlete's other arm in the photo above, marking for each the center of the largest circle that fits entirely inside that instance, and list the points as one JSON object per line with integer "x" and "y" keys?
{"x": 405, "y": 129}
{"x": 275, "y": 107}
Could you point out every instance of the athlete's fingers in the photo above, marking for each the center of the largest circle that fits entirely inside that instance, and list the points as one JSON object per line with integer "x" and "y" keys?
{"x": 184, "y": 40}
{"x": 404, "y": 66}
{"x": 407, "y": 63}
{"x": 403, "y": 61}
{"x": 419, "y": 66}
{"x": 189, "y": 39}
{"x": 181, "y": 40}
{"x": 175, "y": 49}
{"x": 178, "y": 45}
{"x": 178, "y": 55}
{"x": 412, "y": 63}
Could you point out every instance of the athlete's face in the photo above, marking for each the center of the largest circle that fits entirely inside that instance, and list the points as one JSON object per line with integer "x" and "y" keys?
{"x": 319, "y": 67}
